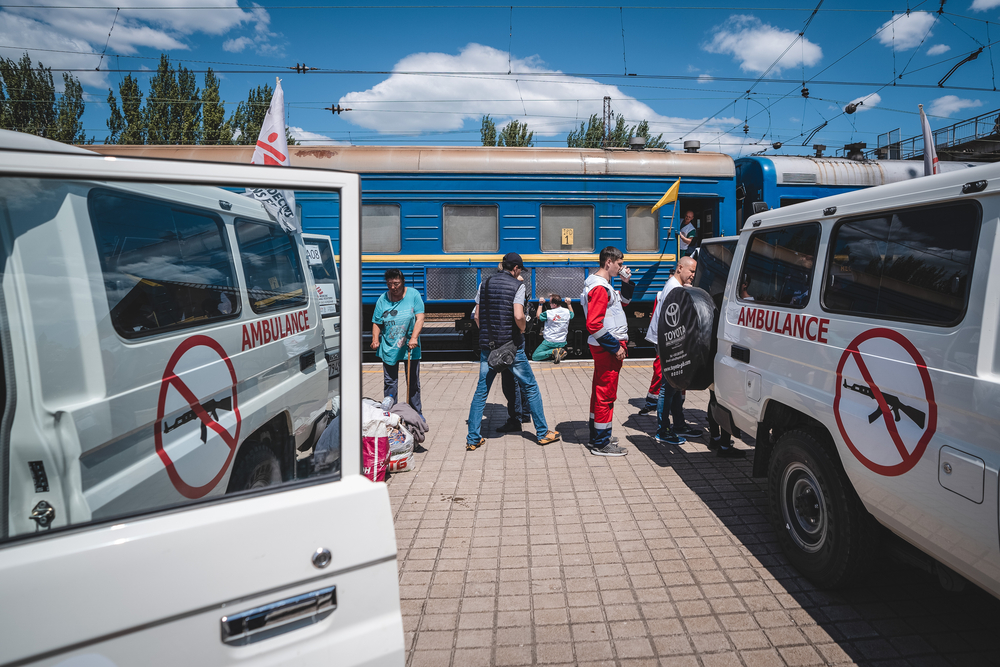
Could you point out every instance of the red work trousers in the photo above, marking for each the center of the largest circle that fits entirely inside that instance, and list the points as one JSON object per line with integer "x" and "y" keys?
{"x": 604, "y": 391}
{"x": 653, "y": 395}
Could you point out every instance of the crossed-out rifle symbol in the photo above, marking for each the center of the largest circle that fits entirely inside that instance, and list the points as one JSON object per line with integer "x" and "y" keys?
{"x": 897, "y": 406}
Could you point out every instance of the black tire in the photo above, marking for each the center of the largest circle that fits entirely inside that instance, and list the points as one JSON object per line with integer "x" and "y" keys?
{"x": 256, "y": 467}
{"x": 822, "y": 526}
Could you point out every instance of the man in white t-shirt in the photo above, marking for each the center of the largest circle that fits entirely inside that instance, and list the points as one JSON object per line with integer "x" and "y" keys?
{"x": 556, "y": 328}
{"x": 687, "y": 235}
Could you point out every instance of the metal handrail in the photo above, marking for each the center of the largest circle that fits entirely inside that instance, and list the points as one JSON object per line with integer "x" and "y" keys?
{"x": 971, "y": 129}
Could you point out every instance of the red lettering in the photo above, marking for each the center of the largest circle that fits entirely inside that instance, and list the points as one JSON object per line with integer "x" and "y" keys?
{"x": 812, "y": 320}
{"x": 770, "y": 320}
{"x": 246, "y": 339}
{"x": 256, "y": 335}
{"x": 277, "y": 326}
{"x": 266, "y": 326}
{"x": 742, "y": 319}
{"x": 799, "y": 328}
{"x": 288, "y": 325}
{"x": 302, "y": 326}
{"x": 760, "y": 318}
{"x": 822, "y": 331}
{"x": 787, "y": 326}
{"x": 305, "y": 316}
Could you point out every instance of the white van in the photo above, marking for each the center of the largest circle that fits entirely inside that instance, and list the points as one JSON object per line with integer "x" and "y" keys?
{"x": 323, "y": 264}
{"x": 164, "y": 383}
{"x": 858, "y": 343}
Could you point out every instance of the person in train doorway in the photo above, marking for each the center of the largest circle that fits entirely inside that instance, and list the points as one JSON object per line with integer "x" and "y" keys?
{"x": 671, "y": 401}
{"x": 608, "y": 340}
{"x": 687, "y": 237}
{"x": 396, "y": 326}
{"x": 500, "y": 315}
{"x": 556, "y": 319}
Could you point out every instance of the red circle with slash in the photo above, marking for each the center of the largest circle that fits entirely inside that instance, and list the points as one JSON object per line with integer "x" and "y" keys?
{"x": 170, "y": 379}
{"x": 909, "y": 458}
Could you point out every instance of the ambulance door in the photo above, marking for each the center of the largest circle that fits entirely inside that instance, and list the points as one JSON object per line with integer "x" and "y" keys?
{"x": 319, "y": 254}
{"x": 300, "y": 568}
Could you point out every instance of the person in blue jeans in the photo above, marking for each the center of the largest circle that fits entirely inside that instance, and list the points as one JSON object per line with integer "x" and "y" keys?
{"x": 500, "y": 314}
{"x": 396, "y": 325}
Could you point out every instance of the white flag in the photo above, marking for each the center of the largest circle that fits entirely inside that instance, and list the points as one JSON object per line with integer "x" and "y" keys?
{"x": 930, "y": 153}
{"x": 272, "y": 149}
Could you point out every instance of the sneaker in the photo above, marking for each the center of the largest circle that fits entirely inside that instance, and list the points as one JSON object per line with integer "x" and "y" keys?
{"x": 558, "y": 355}
{"x": 549, "y": 438}
{"x": 614, "y": 441}
{"x": 609, "y": 449}
{"x": 646, "y": 409}
{"x": 671, "y": 439}
{"x": 716, "y": 443}
{"x": 731, "y": 453}
{"x": 471, "y": 447}
{"x": 688, "y": 431}
{"x": 510, "y": 426}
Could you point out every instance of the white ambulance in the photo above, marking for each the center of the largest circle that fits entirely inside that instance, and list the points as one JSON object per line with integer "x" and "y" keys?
{"x": 163, "y": 382}
{"x": 323, "y": 264}
{"x": 858, "y": 343}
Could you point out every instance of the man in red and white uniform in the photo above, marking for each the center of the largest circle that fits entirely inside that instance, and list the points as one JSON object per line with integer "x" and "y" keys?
{"x": 608, "y": 328}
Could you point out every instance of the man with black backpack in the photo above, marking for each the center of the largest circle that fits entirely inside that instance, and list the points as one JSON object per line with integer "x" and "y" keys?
{"x": 500, "y": 314}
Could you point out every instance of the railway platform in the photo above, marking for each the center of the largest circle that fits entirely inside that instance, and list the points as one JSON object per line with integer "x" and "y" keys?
{"x": 517, "y": 554}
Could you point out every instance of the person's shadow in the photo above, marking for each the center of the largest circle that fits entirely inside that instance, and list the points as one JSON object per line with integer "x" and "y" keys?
{"x": 576, "y": 432}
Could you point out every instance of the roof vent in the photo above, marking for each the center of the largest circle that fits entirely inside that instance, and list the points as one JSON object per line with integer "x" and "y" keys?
{"x": 692, "y": 146}
{"x": 637, "y": 143}
{"x": 855, "y": 151}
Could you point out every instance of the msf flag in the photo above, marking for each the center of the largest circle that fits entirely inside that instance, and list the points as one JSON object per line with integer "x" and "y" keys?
{"x": 272, "y": 149}
{"x": 670, "y": 196}
{"x": 930, "y": 153}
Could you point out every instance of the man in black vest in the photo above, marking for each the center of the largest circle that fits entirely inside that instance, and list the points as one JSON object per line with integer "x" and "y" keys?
{"x": 500, "y": 315}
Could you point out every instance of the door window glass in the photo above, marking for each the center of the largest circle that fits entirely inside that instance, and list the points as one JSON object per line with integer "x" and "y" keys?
{"x": 642, "y": 229}
{"x": 319, "y": 254}
{"x": 911, "y": 265}
{"x": 470, "y": 229}
{"x": 380, "y": 228}
{"x": 271, "y": 267}
{"x": 778, "y": 268}
{"x": 166, "y": 266}
{"x": 567, "y": 229}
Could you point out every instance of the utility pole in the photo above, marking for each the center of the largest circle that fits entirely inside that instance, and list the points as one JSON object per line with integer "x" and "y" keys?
{"x": 607, "y": 121}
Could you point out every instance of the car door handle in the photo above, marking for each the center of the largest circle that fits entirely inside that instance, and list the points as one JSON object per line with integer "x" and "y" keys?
{"x": 277, "y": 617}
{"x": 740, "y": 354}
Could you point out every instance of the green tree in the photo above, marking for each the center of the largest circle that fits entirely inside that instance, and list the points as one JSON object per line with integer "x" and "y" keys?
{"x": 69, "y": 111}
{"x": 592, "y": 136}
{"x": 161, "y": 125}
{"x": 215, "y": 129}
{"x": 250, "y": 114}
{"x": 488, "y": 131}
{"x": 186, "y": 112}
{"x": 516, "y": 134}
{"x": 128, "y": 125}
{"x": 30, "y": 97}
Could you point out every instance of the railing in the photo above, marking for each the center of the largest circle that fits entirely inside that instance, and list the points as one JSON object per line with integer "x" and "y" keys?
{"x": 980, "y": 127}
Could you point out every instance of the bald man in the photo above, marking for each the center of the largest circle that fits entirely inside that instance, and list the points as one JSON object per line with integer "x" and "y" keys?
{"x": 670, "y": 401}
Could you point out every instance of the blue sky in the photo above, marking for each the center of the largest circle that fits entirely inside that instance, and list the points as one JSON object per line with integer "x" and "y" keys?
{"x": 422, "y": 74}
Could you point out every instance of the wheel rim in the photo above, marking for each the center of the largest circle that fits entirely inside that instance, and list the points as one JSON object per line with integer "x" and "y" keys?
{"x": 263, "y": 476}
{"x": 803, "y": 508}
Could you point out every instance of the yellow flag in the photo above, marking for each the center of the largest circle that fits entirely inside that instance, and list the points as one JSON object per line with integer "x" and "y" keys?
{"x": 670, "y": 196}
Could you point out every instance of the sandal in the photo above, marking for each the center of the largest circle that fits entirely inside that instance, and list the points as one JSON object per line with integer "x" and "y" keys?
{"x": 549, "y": 438}
{"x": 471, "y": 447}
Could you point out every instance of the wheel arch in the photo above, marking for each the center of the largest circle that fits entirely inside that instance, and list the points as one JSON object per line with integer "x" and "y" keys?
{"x": 779, "y": 418}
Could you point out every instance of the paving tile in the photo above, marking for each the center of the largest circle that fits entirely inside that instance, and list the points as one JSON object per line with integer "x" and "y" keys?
{"x": 517, "y": 555}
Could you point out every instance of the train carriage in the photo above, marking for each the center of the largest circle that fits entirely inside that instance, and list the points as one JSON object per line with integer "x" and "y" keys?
{"x": 446, "y": 215}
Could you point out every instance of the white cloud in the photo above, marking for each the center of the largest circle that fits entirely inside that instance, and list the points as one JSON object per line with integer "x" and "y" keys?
{"x": 85, "y": 31}
{"x": 705, "y": 78}
{"x": 237, "y": 45}
{"x": 907, "y": 31}
{"x": 938, "y": 49}
{"x": 550, "y": 102}
{"x": 983, "y": 5}
{"x": 949, "y": 104}
{"x": 866, "y": 102}
{"x": 755, "y": 45}
{"x": 307, "y": 137}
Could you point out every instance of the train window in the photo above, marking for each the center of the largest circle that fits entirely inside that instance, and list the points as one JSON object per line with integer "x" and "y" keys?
{"x": 166, "y": 266}
{"x": 271, "y": 266}
{"x": 642, "y": 228}
{"x": 471, "y": 229}
{"x": 911, "y": 265}
{"x": 380, "y": 228}
{"x": 778, "y": 268}
{"x": 567, "y": 229}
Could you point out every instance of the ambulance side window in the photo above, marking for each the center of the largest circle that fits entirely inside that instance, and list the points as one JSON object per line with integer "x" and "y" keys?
{"x": 271, "y": 265}
{"x": 779, "y": 264}
{"x": 912, "y": 265}
{"x": 166, "y": 266}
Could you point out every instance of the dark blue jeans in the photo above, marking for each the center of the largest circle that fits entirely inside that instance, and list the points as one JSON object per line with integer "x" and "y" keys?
{"x": 390, "y": 383}
{"x": 671, "y": 402}
{"x": 525, "y": 378}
